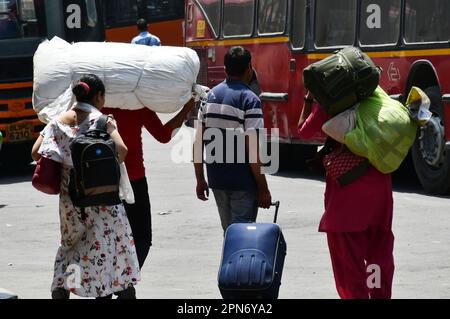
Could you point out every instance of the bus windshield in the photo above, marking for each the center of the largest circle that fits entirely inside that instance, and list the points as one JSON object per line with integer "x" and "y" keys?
{"x": 20, "y": 19}
{"x": 158, "y": 10}
{"x": 164, "y": 16}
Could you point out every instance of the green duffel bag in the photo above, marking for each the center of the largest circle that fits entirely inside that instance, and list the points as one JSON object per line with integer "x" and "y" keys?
{"x": 342, "y": 79}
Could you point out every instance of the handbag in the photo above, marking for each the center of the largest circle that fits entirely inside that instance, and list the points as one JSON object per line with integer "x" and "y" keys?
{"x": 47, "y": 176}
{"x": 343, "y": 166}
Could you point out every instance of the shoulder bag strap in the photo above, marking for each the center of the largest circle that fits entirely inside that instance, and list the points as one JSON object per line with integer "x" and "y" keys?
{"x": 102, "y": 122}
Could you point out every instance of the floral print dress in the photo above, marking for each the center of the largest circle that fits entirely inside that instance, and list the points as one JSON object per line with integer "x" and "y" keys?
{"x": 97, "y": 255}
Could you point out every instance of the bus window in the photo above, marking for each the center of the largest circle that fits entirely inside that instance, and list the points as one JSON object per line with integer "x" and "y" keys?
{"x": 272, "y": 16}
{"x": 427, "y": 21}
{"x": 238, "y": 17}
{"x": 27, "y": 12}
{"x": 298, "y": 24}
{"x": 120, "y": 12}
{"x": 335, "y": 23}
{"x": 88, "y": 28}
{"x": 91, "y": 9}
{"x": 163, "y": 10}
{"x": 21, "y": 19}
{"x": 380, "y": 22}
{"x": 212, "y": 12}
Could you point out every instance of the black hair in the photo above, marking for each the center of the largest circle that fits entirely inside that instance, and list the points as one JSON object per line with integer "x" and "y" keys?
{"x": 87, "y": 87}
{"x": 237, "y": 61}
{"x": 142, "y": 24}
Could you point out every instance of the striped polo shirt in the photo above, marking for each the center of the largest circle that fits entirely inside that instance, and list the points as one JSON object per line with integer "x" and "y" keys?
{"x": 232, "y": 106}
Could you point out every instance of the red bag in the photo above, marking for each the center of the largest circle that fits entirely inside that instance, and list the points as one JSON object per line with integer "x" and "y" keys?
{"x": 343, "y": 166}
{"x": 47, "y": 176}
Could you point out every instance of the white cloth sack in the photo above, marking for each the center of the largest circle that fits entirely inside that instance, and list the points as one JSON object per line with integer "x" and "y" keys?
{"x": 338, "y": 126}
{"x": 125, "y": 190}
{"x": 135, "y": 76}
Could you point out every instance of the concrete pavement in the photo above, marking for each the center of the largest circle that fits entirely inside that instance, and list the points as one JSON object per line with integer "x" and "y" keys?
{"x": 187, "y": 236}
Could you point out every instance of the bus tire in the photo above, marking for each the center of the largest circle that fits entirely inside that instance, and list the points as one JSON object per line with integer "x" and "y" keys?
{"x": 431, "y": 159}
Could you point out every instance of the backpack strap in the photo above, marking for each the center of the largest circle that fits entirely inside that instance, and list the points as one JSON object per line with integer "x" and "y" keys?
{"x": 102, "y": 122}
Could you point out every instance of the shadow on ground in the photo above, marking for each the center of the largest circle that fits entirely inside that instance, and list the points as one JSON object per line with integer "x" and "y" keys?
{"x": 16, "y": 174}
{"x": 403, "y": 181}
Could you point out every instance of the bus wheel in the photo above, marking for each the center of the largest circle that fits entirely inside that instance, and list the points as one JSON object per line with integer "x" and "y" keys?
{"x": 431, "y": 159}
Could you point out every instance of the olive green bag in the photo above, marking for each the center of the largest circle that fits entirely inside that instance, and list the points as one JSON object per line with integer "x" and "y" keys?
{"x": 341, "y": 80}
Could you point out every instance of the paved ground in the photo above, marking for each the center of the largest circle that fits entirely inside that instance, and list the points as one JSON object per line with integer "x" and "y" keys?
{"x": 184, "y": 260}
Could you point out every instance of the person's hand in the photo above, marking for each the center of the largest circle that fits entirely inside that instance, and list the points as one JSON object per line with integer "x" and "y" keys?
{"x": 202, "y": 190}
{"x": 306, "y": 109}
{"x": 264, "y": 198}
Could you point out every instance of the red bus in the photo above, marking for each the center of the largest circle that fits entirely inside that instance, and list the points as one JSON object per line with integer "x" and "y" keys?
{"x": 25, "y": 23}
{"x": 409, "y": 39}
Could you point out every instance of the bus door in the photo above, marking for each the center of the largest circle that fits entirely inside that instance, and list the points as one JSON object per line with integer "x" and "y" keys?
{"x": 299, "y": 60}
{"x": 201, "y": 32}
{"x": 204, "y": 25}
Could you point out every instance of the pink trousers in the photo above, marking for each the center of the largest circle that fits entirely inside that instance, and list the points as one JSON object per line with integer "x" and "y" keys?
{"x": 363, "y": 263}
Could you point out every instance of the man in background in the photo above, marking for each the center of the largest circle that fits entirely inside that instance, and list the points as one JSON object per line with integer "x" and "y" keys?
{"x": 145, "y": 37}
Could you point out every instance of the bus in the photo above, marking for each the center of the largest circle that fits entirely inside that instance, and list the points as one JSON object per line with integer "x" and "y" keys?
{"x": 24, "y": 24}
{"x": 166, "y": 19}
{"x": 408, "y": 39}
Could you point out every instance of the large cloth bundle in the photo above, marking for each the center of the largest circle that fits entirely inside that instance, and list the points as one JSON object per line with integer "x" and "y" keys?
{"x": 135, "y": 76}
{"x": 384, "y": 132}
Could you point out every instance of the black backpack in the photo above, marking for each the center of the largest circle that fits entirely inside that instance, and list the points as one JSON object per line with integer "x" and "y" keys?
{"x": 342, "y": 79}
{"x": 95, "y": 177}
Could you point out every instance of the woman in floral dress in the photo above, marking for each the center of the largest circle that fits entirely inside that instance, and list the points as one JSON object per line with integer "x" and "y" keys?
{"x": 97, "y": 256}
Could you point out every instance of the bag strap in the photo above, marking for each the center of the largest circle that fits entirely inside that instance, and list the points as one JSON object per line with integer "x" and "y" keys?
{"x": 102, "y": 123}
{"x": 329, "y": 146}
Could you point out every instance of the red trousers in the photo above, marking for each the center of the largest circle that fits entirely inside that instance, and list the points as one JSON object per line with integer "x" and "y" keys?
{"x": 363, "y": 263}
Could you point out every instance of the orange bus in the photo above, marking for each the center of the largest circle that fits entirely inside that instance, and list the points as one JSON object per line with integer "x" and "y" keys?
{"x": 25, "y": 23}
{"x": 408, "y": 39}
{"x": 165, "y": 16}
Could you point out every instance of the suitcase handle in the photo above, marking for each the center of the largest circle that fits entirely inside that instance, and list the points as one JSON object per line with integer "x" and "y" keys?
{"x": 277, "y": 206}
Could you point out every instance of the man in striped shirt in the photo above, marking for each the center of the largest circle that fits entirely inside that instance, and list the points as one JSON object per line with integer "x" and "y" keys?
{"x": 239, "y": 186}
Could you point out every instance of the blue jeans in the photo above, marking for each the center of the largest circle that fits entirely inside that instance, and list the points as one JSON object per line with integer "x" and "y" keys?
{"x": 236, "y": 206}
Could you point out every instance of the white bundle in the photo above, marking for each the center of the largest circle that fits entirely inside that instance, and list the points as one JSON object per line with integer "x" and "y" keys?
{"x": 135, "y": 76}
{"x": 338, "y": 126}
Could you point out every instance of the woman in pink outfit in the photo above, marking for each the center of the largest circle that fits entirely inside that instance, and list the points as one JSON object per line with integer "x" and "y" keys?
{"x": 358, "y": 223}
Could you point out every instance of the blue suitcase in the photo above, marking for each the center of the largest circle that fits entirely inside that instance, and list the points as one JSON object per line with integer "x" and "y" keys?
{"x": 252, "y": 260}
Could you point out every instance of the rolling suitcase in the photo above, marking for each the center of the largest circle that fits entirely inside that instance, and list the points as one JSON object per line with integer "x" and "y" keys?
{"x": 5, "y": 294}
{"x": 341, "y": 80}
{"x": 252, "y": 260}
